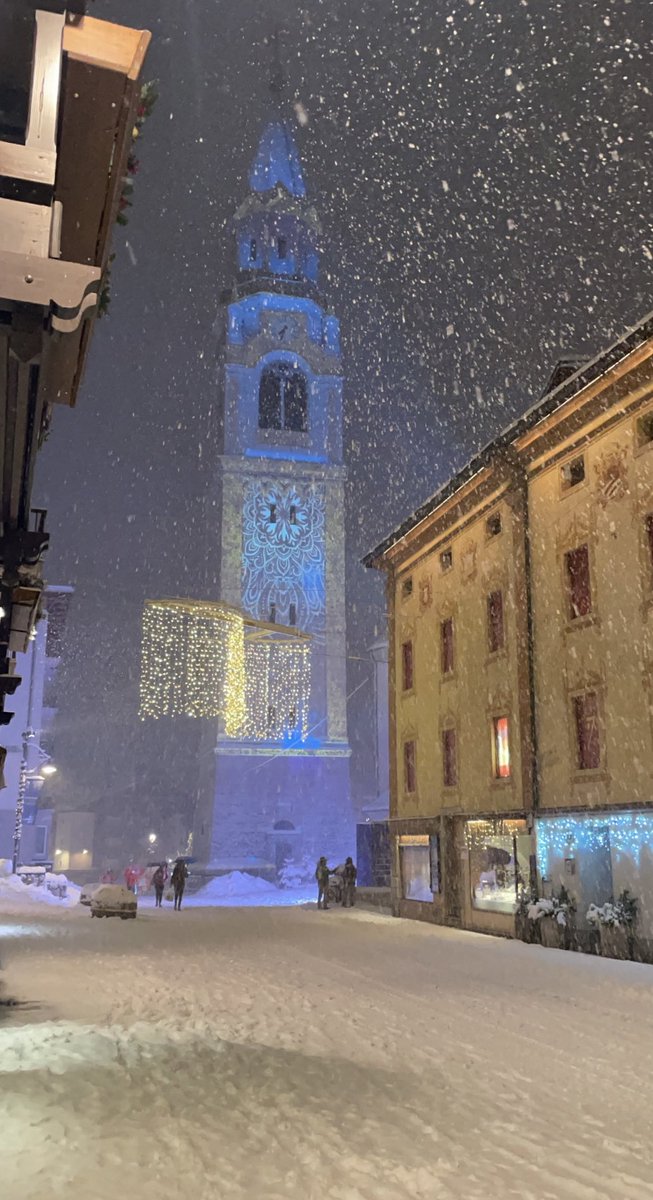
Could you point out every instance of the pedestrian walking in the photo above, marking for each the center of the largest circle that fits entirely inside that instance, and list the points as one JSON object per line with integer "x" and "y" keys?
{"x": 179, "y": 877}
{"x": 159, "y": 881}
{"x": 322, "y": 876}
{"x": 348, "y": 884}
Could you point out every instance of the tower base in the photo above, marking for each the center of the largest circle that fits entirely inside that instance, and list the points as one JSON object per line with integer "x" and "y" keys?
{"x": 273, "y": 806}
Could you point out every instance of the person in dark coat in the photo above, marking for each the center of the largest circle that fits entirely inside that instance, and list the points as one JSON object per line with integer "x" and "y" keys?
{"x": 179, "y": 877}
{"x": 159, "y": 881}
{"x": 348, "y": 884}
{"x": 322, "y": 876}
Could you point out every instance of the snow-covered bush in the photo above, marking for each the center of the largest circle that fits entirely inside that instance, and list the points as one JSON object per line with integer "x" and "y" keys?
{"x": 621, "y": 913}
{"x": 559, "y": 908}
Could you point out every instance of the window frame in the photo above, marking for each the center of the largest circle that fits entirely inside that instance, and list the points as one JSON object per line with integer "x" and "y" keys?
{"x": 491, "y": 625}
{"x": 449, "y": 758}
{"x": 276, "y": 401}
{"x": 446, "y": 560}
{"x": 642, "y": 444}
{"x": 410, "y": 766}
{"x": 493, "y": 519}
{"x": 407, "y": 665}
{"x": 567, "y": 485}
{"x": 578, "y": 698}
{"x": 447, "y": 672}
{"x": 407, "y": 588}
{"x": 574, "y": 618}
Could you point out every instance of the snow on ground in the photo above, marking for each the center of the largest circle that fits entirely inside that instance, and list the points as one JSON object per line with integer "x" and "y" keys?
{"x": 287, "y": 1054}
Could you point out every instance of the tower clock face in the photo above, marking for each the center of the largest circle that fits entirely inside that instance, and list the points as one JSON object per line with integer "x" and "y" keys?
{"x": 284, "y": 329}
{"x": 283, "y": 552}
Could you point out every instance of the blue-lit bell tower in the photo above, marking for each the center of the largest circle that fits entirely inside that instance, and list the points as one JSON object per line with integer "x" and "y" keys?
{"x": 281, "y": 503}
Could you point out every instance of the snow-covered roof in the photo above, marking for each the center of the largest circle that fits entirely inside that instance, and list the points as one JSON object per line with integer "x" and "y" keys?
{"x": 552, "y": 400}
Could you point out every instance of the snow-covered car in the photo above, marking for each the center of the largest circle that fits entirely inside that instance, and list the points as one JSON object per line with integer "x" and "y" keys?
{"x": 113, "y": 900}
{"x": 88, "y": 892}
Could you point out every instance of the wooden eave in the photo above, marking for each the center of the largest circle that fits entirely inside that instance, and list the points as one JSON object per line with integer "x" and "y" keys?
{"x": 100, "y": 94}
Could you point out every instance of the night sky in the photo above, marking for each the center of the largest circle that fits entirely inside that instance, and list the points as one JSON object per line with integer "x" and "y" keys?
{"x": 483, "y": 175}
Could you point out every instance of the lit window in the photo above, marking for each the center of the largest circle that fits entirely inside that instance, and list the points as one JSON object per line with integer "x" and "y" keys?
{"x": 645, "y": 429}
{"x": 495, "y": 628}
{"x": 572, "y": 473}
{"x": 292, "y": 718}
{"x": 501, "y": 747}
{"x": 493, "y": 525}
{"x": 292, "y": 615}
{"x": 407, "y": 666}
{"x": 446, "y": 560}
{"x": 578, "y": 581}
{"x": 293, "y": 514}
{"x": 586, "y": 712}
{"x": 407, "y": 588}
{"x": 409, "y": 767}
{"x": 419, "y": 866}
{"x": 273, "y": 514}
{"x": 446, "y": 646}
{"x": 282, "y": 247}
{"x": 449, "y": 759}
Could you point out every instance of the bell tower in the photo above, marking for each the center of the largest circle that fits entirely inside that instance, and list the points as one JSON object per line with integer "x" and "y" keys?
{"x": 284, "y": 791}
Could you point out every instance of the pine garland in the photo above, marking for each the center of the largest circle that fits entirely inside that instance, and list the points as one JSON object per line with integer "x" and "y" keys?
{"x": 146, "y": 101}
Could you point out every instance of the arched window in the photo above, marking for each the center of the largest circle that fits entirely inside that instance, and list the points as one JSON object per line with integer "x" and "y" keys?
{"x": 283, "y": 398}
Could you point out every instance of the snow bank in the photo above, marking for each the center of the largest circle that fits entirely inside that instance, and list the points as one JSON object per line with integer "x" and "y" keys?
{"x": 238, "y": 888}
{"x": 16, "y": 896}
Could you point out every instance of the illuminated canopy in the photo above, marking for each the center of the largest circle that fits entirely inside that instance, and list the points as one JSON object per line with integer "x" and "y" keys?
{"x": 204, "y": 659}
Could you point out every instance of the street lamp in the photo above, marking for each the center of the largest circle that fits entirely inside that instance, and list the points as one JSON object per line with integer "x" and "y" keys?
{"x": 151, "y": 838}
{"x": 49, "y": 769}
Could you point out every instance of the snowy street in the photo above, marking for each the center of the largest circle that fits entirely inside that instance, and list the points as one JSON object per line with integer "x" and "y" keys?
{"x": 286, "y": 1053}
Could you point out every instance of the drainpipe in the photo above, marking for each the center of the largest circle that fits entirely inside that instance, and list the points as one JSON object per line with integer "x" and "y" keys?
{"x": 532, "y": 707}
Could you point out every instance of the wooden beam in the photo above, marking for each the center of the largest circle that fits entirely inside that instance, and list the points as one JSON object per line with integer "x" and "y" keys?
{"x": 102, "y": 44}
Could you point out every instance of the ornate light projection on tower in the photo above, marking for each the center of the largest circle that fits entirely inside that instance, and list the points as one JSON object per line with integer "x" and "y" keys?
{"x": 200, "y": 659}
{"x": 280, "y": 544}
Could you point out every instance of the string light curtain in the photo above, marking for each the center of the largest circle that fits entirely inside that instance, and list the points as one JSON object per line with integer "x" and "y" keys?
{"x": 203, "y": 659}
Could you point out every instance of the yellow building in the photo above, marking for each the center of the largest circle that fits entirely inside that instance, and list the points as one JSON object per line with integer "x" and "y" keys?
{"x": 521, "y": 660}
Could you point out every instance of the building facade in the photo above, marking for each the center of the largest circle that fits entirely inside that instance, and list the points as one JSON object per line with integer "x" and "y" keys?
{"x": 282, "y": 791}
{"x": 30, "y": 734}
{"x": 521, "y": 601}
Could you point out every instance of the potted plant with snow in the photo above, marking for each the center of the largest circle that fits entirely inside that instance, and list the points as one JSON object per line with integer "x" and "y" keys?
{"x": 554, "y": 917}
{"x": 526, "y": 929}
{"x": 615, "y": 922}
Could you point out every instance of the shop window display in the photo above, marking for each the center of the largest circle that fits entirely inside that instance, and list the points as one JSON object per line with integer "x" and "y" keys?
{"x": 419, "y": 864}
{"x": 499, "y": 862}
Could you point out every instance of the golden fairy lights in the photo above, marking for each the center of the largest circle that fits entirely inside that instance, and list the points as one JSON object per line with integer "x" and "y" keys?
{"x": 202, "y": 659}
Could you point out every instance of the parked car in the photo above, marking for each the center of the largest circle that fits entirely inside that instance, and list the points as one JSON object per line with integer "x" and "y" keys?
{"x": 113, "y": 900}
{"x": 87, "y": 893}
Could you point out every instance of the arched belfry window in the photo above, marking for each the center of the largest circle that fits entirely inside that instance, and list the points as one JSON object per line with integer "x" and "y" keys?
{"x": 283, "y": 398}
